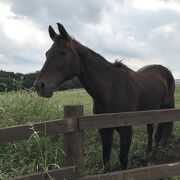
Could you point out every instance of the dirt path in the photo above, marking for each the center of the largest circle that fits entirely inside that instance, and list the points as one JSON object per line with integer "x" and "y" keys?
{"x": 164, "y": 155}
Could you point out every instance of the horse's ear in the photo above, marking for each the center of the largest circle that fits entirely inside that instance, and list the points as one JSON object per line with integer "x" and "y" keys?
{"x": 62, "y": 31}
{"x": 52, "y": 33}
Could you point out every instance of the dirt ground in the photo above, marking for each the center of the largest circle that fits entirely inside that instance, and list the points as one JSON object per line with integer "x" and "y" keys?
{"x": 164, "y": 155}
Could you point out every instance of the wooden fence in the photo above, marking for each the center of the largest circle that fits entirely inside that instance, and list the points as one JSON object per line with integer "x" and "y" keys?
{"x": 73, "y": 126}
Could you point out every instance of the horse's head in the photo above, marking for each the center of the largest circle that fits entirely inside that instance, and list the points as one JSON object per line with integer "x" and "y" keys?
{"x": 62, "y": 63}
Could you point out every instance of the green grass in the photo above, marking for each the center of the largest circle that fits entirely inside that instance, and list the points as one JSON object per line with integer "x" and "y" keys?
{"x": 40, "y": 154}
{"x": 23, "y": 107}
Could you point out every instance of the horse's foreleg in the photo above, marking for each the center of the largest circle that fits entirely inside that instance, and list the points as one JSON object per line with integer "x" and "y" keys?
{"x": 125, "y": 143}
{"x": 107, "y": 142}
{"x": 150, "y": 129}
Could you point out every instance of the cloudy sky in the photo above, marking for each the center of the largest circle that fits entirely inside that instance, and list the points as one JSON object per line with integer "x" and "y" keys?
{"x": 139, "y": 31}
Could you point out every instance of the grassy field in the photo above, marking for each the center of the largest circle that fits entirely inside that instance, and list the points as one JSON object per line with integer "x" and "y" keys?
{"x": 38, "y": 154}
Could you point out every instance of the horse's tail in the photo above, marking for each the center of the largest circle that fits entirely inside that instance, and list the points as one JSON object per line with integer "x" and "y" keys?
{"x": 167, "y": 128}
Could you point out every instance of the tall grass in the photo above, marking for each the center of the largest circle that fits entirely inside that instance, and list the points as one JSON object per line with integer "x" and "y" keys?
{"x": 40, "y": 154}
{"x": 25, "y": 107}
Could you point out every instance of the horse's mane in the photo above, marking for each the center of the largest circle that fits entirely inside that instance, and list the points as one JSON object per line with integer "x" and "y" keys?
{"x": 119, "y": 64}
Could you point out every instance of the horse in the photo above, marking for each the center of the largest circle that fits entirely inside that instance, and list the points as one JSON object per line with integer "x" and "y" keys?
{"x": 113, "y": 87}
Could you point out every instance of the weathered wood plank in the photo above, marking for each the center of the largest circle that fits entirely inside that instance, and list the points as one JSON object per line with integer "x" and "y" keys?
{"x": 146, "y": 173}
{"x": 74, "y": 141}
{"x": 107, "y": 176}
{"x": 153, "y": 172}
{"x": 63, "y": 173}
{"x": 23, "y": 132}
{"x": 128, "y": 118}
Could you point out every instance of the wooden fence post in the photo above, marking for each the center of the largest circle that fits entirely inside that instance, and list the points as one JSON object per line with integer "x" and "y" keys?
{"x": 74, "y": 141}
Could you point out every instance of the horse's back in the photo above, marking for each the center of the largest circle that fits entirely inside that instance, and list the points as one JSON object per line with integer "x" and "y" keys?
{"x": 157, "y": 85}
{"x": 155, "y": 68}
{"x": 158, "y": 72}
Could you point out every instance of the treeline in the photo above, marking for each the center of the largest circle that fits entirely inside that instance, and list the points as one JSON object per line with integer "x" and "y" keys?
{"x": 10, "y": 81}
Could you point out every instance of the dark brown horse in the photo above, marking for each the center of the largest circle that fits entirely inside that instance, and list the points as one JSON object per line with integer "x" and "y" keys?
{"x": 113, "y": 87}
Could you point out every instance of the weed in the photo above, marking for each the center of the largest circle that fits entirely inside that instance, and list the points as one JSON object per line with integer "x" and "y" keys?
{"x": 43, "y": 153}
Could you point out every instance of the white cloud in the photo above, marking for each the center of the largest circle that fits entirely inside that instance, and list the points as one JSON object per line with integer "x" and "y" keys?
{"x": 24, "y": 31}
{"x": 155, "y": 5}
{"x": 138, "y": 31}
{"x": 22, "y": 42}
{"x": 111, "y": 42}
{"x": 20, "y": 29}
{"x": 164, "y": 43}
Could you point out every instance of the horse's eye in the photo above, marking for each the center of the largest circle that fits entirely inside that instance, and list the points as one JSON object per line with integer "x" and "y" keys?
{"x": 63, "y": 51}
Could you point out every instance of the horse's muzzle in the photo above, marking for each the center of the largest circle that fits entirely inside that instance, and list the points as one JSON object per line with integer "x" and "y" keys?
{"x": 42, "y": 89}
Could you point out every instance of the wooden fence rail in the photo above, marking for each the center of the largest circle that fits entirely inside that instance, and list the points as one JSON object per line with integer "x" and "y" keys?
{"x": 23, "y": 132}
{"x": 63, "y": 173}
{"x": 145, "y": 173}
{"x": 73, "y": 125}
{"x": 128, "y": 118}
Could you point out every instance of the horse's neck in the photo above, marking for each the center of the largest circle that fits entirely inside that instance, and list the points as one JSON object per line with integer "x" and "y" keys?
{"x": 97, "y": 73}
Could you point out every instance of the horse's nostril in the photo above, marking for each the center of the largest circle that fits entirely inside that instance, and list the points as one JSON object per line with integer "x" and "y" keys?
{"x": 41, "y": 85}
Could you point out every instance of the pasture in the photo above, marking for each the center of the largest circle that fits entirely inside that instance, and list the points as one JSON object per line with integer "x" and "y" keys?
{"x": 38, "y": 153}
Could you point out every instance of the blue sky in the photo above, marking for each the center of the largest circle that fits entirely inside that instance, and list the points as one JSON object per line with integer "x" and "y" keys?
{"x": 140, "y": 32}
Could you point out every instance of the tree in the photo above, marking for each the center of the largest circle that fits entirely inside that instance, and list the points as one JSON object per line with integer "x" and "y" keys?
{"x": 10, "y": 81}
